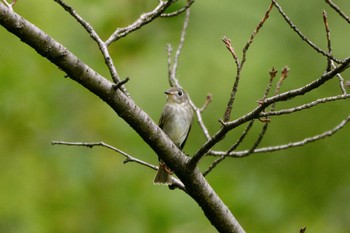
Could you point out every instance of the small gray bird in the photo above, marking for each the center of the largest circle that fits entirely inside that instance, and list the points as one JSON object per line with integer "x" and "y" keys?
{"x": 175, "y": 121}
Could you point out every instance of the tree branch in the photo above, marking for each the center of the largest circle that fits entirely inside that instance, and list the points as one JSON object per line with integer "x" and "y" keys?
{"x": 144, "y": 19}
{"x": 303, "y": 142}
{"x": 178, "y": 12}
{"x": 228, "y": 126}
{"x": 128, "y": 158}
{"x": 239, "y": 65}
{"x": 337, "y": 9}
{"x": 304, "y": 106}
{"x": 302, "y": 36}
{"x": 196, "y": 186}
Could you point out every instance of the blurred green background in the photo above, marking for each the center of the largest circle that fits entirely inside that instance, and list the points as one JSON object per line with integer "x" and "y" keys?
{"x": 46, "y": 188}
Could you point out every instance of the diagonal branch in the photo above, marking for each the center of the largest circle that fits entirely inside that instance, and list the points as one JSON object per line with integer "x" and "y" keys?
{"x": 178, "y": 12}
{"x": 102, "y": 46}
{"x": 302, "y": 36}
{"x": 228, "y": 126}
{"x": 144, "y": 19}
{"x": 196, "y": 186}
{"x": 337, "y": 9}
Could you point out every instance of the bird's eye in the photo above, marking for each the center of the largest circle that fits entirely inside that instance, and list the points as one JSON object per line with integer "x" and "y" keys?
{"x": 179, "y": 93}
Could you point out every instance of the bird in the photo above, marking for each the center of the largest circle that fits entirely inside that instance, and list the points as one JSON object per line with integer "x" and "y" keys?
{"x": 176, "y": 121}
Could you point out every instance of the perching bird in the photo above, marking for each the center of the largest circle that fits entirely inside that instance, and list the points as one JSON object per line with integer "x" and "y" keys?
{"x": 175, "y": 121}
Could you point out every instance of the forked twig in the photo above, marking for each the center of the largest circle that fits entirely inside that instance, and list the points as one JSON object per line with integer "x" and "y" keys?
{"x": 102, "y": 46}
{"x": 233, "y": 147}
{"x": 239, "y": 65}
{"x": 144, "y": 19}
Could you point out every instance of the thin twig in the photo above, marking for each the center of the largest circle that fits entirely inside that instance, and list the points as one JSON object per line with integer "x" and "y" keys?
{"x": 239, "y": 65}
{"x": 341, "y": 80}
{"x": 304, "y": 106}
{"x": 172, "y": 78}
{"x": 172, "y": 71}
{"x": 233, "y": 147}
{"x": 257, "y": 29}
{"x": 272, "y": 74}
{"x": 255, "y": 113}
{"x": 284, "y": 75}
{"x": 330, "y": 63}
{"x": 302, "y": 36}
{"x": 97, "y": 39}
{"x": 128, "y": 158}
{"x": 337, "y": 9}
{"x": 328, "y": 37}
{"x": 178, "y": 12}
{"x": 170, "y": 50}
{"x": 227, "y": 114}
{"x": 207, "y": 102}
{"x": 285, "y": 146}
{"x": 144, "y": 19}
{"x": 198, "y": 112}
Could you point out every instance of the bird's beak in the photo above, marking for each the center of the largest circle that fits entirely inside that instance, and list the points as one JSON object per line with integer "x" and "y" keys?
{"x": 167, "y": 92}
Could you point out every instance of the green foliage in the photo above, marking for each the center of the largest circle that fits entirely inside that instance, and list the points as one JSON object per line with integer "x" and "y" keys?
{"x": 46, "y": 188}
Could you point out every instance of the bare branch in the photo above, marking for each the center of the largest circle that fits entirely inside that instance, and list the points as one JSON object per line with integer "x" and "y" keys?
{"x": 302, "y": 36}
{"x": 174, "y": 82}
{"x": 207, "y": 102}
{"x": 233, "y": 147}
{"x": 330, "y": 63}
{"x": 227, "y": 114}
{"x": 257, "y": 29}
{"x": 173, "y": 68}
{"x": 285, "y": 146}
{"x": 102, "y": 46}
{"x": 328, "y": 37}
{"x": 178, "y": 12}
{"x": 128, "y": 158}
{"x": 337, "y": 9}
{"x": 272, "y": 73}
{"x": 304, "y": 106}
{"x": 228, "y": 126}
{"x": 199, "y": 111}
{"x": 141, "y": 21}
